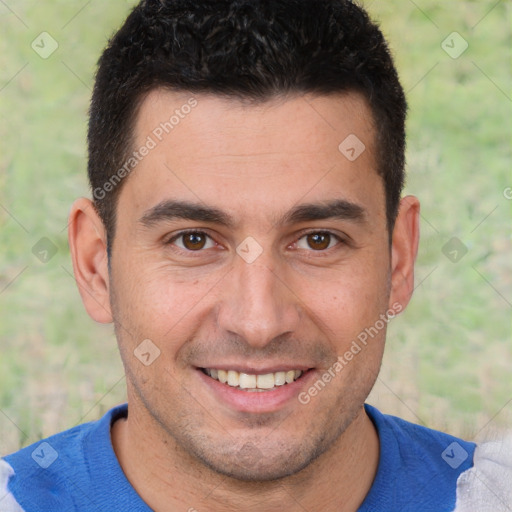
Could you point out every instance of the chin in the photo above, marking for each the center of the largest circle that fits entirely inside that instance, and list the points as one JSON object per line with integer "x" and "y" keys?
{"x": 262, "y": 464}
{"x": 258, "y": 470}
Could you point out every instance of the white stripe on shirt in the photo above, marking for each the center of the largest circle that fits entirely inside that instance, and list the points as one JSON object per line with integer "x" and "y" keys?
{"x": 7, "y": 501}
{"x": 487, "y": 486}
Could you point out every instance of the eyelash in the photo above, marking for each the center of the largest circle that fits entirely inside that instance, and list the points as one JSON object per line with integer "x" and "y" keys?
{"x": 339, "y": 239}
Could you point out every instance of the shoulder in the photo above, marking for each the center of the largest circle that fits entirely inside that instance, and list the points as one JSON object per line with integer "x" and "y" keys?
{"x": 487, "y": 486}
{"x": 38, "y": 475}
{"x": 54, "y": 473}
{"x": 418, "y": 466}
{"x": 418, "y": 444}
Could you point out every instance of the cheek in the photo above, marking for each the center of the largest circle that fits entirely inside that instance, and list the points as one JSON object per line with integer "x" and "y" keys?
{"x": 156, "y": 303}
{"x": 348, "y": 302}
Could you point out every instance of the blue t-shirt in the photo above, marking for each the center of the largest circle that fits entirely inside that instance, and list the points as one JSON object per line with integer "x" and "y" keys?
{"x": 77, "y": 470}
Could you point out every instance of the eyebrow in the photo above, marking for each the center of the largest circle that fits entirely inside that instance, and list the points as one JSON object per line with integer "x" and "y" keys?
{"x": 336, "y": 209}
{"x": 169, "y": 210}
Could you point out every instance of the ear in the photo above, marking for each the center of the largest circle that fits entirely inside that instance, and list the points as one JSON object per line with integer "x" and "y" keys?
{"x": 88, "y": 245}
{"x": 404, "y": 247}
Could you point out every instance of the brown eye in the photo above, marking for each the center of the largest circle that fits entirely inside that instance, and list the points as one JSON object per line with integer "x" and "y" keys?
{"x": 193, "y": 241}
{"x": 319, "y": 241}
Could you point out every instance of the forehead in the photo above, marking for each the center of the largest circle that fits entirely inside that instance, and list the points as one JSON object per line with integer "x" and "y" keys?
{"x": 211, "y": 149}
{"x": 171, "y": 116}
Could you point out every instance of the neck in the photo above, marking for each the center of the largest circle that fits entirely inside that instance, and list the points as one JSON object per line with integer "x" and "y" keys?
{"x": 168, "y": 478}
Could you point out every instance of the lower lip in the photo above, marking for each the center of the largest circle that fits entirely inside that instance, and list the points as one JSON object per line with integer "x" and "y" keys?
{"x": 257, "y": 401}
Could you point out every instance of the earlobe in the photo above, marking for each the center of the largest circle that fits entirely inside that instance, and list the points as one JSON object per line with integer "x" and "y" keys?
{"x": 88, "y": 245}
{"x": 404, "y": 250}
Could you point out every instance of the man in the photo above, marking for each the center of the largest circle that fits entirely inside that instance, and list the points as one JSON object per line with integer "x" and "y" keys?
{"x": 246, "y": 233}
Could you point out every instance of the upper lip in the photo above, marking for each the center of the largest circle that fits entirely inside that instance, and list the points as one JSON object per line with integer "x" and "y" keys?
{"x": 257, "y": 370}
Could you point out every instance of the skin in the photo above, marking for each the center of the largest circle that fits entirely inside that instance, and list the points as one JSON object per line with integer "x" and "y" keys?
{"x": 296, "y": 304}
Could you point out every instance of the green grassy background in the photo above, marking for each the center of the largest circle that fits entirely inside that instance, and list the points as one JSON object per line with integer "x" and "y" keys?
{"x": 449, "y": 356}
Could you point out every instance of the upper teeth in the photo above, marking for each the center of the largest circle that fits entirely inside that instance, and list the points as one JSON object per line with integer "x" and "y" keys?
{"x": 249, "y": 381}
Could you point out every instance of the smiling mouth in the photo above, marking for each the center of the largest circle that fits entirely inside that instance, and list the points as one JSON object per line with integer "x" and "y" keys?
{"x": 251, "y": 382}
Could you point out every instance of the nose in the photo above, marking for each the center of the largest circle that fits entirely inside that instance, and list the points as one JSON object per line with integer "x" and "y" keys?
{"x": 257, "y": 303}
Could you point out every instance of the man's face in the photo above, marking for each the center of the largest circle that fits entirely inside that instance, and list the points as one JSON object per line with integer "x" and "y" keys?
{"x": 267, "y": 286}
